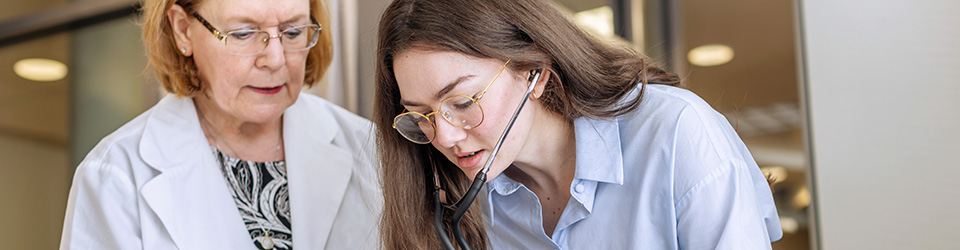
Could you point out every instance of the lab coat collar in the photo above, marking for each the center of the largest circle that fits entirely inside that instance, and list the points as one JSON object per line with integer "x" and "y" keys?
{"x": 318, "y": 173}
{"x": 189, "y": 194}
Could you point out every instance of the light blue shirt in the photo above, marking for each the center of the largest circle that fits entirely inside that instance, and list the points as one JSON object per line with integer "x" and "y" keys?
{"x": 672, "y": 174}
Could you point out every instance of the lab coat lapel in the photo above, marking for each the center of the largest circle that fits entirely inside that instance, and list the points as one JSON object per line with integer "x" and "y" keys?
{"x": 318, "y": 173}
{"x": 189, "y": 195}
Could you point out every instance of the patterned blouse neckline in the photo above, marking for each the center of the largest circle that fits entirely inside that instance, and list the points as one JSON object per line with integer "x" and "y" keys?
{"x": 260, "y": 192}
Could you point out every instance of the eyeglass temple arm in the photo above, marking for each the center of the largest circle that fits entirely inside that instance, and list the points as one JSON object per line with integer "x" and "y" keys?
{"x": 215, "y": 31}
{"x": 494, "y": 79}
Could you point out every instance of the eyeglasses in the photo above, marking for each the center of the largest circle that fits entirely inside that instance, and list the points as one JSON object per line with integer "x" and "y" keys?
{"x": 249, "y": 42}
{"x": 459, "y": 110}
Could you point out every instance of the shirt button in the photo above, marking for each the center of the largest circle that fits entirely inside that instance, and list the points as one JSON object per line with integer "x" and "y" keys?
{"x": 579, "y": 188}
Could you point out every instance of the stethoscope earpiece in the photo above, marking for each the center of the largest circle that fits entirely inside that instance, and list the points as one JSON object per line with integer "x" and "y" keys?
{"x": 534, "y": 73}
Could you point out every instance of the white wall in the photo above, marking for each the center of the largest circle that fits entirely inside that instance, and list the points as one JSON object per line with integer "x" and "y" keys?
{"x": 883, "y": 95}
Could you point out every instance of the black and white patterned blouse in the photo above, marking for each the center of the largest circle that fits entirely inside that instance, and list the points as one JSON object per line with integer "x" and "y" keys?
{"x": 260, "y": 191}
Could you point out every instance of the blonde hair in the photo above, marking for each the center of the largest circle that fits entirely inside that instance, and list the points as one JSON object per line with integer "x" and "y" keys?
{"x": 178, "y": 73}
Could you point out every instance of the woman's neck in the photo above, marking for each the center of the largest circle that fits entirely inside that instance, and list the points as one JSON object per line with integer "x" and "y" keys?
{"x": 547, "y": 164}
{"x": 245, "y": 140}
{"x": 547, "y": 161}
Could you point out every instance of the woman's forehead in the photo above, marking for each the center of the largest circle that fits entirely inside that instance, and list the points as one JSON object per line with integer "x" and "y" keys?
{"x": 421, "y": 75}
{"x": 439, "y": 63}
{"x": 256, "y": 10}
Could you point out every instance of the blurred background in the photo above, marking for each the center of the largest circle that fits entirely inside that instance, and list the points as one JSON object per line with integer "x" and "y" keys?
{"x": 853, "y": 106}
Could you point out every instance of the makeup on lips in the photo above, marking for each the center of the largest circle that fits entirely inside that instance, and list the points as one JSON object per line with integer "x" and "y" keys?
{"x": 470, "y": 160}
{"x": 267, "y": 91}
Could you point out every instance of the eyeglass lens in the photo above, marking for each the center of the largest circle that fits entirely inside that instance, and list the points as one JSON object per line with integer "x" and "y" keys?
{"x": 254, "y": 41}
{"x": 460, "y": 111}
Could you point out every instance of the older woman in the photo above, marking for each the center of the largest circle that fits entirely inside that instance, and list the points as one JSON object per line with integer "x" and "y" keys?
{"x": 236, "y": 157}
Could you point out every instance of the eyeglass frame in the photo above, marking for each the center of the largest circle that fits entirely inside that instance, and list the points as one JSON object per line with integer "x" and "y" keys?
{"x": 433, "y": 122}
{"x": 222, "y": 36}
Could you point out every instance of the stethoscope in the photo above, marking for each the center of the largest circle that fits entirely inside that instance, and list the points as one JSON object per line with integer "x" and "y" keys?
{"x": 464, "y": 203}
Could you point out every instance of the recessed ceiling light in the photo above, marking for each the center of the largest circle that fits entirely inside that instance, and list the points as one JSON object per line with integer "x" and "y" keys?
{"x": 40, "y": 69}
{"x": 710, "y": 55}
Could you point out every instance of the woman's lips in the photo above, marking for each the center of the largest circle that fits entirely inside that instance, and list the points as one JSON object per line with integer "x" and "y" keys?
{"x": 470, "y": 161}
{"x": 268, "y": 91}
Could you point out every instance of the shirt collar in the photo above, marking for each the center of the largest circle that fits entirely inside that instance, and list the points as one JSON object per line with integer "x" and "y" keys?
{"x": 599, "y": 159}
{"x": 501, "y": 185}
{"x": 599, "y": 155}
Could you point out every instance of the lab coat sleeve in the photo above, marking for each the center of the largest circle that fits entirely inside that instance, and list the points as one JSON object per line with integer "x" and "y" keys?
{"x": 102, "y": 209}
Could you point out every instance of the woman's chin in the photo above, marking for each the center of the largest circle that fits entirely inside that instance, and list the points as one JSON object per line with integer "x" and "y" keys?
{"x": 266, "y": 113}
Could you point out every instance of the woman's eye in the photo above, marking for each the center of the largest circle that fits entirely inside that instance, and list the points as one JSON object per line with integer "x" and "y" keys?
{"x": 463, "y": 105}
{"x": 242, "y": 35}
{"x": 294, "y": 33}
{"x": 417, "y": 119}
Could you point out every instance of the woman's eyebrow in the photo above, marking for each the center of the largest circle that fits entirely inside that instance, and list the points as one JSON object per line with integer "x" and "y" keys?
{"x": 296, "y": 18}
{"x": 450, "y": 86}
{"x": 249, "y": 20}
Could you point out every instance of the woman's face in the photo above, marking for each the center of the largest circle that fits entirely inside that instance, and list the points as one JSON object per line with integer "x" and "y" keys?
{"x": 426, "y": 78}
{"x": 254, "y": 88}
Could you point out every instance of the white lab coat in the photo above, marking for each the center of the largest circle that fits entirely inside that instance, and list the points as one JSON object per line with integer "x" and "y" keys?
{"x": 154, "y": 184}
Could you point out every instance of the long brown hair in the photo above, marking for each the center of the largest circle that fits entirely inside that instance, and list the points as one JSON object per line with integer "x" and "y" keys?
{"x": 589, "y": 78}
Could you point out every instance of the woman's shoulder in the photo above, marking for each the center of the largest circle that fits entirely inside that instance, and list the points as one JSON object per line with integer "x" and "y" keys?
{"x": 121, "y": 141}
{"x": 116, "y": 156}
{"x": 689, "y": 123}
{"x": 664, "y": 107}
{"x": 162, "y": 122}
{"x": 696, "y": 138}
{"x": 658, "y": 99}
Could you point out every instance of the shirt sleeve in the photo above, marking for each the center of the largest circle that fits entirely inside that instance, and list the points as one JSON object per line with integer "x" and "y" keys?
{"x": 718, "y": 203}
{"x": 722, "y": 212}
{"x": 102, "y": 210}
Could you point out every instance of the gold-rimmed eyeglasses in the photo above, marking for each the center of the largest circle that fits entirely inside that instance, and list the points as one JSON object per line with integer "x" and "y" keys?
{"x": 250, "y": 41}
{"x": 459, "y": 110}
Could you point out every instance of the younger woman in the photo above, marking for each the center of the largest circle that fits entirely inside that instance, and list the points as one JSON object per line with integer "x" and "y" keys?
{"x": 606, "y": 154}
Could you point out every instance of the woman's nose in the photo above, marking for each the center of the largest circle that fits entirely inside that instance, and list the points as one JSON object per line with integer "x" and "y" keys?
{"x": 273, "y": 55}
{"x": 447, "y": 134}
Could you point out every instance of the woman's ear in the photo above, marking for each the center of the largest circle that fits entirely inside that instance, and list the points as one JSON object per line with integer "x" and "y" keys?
{"x": 180, "y": 25}
{"x": 541, "y": 84}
